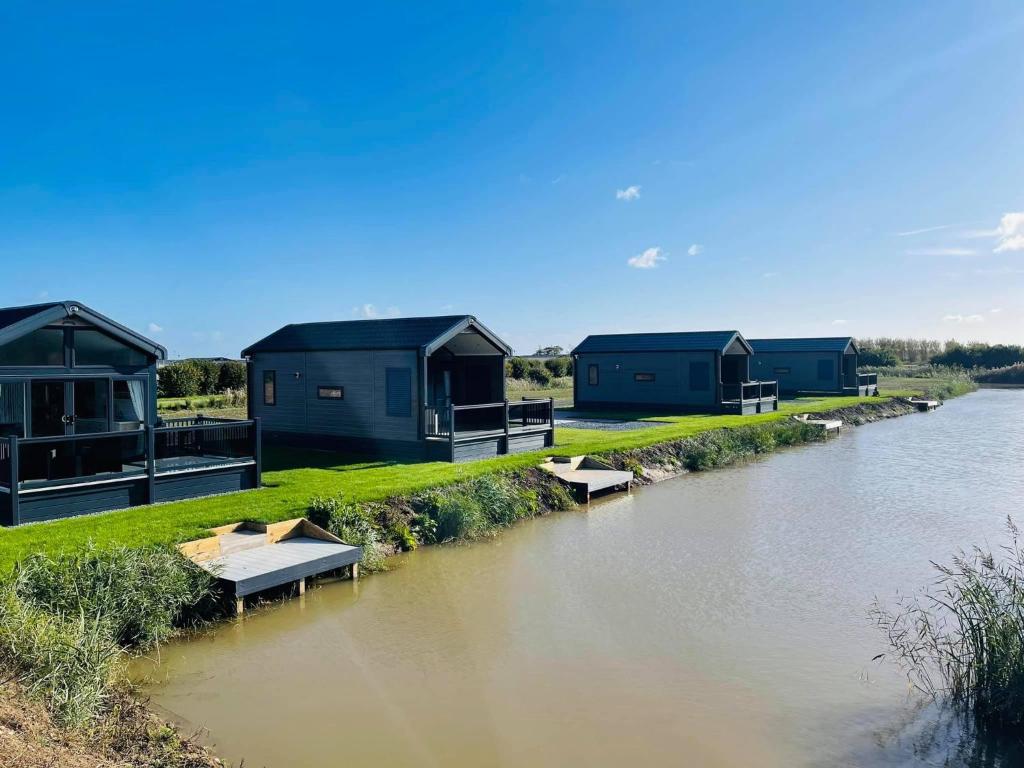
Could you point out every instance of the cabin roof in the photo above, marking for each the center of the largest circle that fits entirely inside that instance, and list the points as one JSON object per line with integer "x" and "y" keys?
{"x": 426, "y": 333}
{"x": 682, "y": 341}
{"x": 16, "y": 322}
{"x": 818, "y": 344}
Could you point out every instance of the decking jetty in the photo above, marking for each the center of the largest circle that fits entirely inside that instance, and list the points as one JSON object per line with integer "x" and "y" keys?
{"x": 252, "y": 557}
{"x": 587, "y": 475}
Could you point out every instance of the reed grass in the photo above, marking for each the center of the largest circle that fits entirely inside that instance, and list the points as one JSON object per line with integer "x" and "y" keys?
{"x": 961, "y": 641}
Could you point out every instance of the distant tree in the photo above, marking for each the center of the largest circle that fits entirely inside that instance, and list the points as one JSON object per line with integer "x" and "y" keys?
{"x": 879, "y": 357}
{"x": 550, "y": 351}
{"x": 209, "y": 376}
{"x": 539, "y": 375}
{"x": 232, "y": 376}
{"x": 182, "y": 379}
{"x": 517, "y": 367}
{"x": 557, "y": 366}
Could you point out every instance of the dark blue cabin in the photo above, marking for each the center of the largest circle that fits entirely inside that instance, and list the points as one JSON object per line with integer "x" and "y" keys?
{"x": 825, "y": 365}
{"x": 412, "y": 388}
{"x": 702, "y": 371}
{"x": 79, "y": 430}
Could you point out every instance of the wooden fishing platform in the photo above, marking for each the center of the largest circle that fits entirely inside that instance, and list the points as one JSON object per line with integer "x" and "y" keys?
{"x": 924, "y": 405}
{"x": 252, "y": 557}
{"x": 587, "y": 475}
{"x": 828, "y": 426}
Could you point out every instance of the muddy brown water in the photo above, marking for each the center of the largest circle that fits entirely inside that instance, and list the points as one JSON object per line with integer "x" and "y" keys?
{"x": 718, "y": 619}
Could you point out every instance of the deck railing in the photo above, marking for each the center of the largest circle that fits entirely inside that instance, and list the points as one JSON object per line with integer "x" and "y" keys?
{"x": 199, "y": 441}
{"x": 448, "y": 422}
{"x": 5, "y": 462}
{"x": 867, "y": 379}
{"x": 74, "y": 457}
{"x": 749, "y": 390}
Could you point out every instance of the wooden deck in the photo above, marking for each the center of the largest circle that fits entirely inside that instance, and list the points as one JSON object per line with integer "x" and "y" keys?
{"x": 252, "y": 557}
{"x": 586, "y": 475}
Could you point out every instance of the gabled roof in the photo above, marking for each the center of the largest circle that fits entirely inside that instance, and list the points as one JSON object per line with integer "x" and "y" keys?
{"x": 819, "y": 344}
{"x": 16, "y": 322}
{"x": 684, "y": 341}
{"x": 421, "y": 333}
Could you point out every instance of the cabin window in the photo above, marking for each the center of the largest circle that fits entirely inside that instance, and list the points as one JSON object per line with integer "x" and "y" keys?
{"x": 398, "y": 391}
{"x": 700, "y": 376}
{"x": 593, "y": 377}
{"x": 129, "y": 404}
{"x": 781, "y": 371}
{"x": 270, "y": 387}
{"x": 94, "y": 347}
{"x": 643, "y": 377}
{"x": 44, "y": 346}
{"x": 826, "y": 370}
{"x": 12, "y": 409}
{"x": 328, "y": 392}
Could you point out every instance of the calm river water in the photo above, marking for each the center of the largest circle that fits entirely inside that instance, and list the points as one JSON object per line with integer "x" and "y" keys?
{"x": 718, "y": 619}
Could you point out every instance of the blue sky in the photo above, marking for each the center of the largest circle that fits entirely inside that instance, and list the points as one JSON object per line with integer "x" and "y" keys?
{"x": 207, "y": 173}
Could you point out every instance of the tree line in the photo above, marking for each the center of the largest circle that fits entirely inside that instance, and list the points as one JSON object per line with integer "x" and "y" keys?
{"x": 887, "y": 351}
{"x": 188, "y": 378}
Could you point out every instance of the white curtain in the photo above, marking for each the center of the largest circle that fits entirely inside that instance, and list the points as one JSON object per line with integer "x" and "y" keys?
{"x": 12, "y": 408}
{"x": 137, "y": 392}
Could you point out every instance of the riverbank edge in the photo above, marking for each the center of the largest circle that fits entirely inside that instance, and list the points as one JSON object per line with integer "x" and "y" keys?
{"x": 150, "y": 733}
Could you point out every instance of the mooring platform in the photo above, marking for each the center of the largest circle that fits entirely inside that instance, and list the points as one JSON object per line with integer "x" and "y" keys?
{"x": 587, "y": 475}
{"x": 828, "y": 426}
{"x": 924, "y": 405}
{"x": 252, "y": 557}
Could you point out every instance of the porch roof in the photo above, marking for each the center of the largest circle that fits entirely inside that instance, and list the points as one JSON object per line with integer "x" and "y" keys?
{"x": 814, "y": 344}
{"x": 423, "y": 333}
{"x": 16, "y": 322}
{"x": 682, "y": 341}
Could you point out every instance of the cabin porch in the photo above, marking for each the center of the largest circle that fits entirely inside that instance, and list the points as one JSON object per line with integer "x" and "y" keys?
{"x": 737, "y": 394}
{"x": 43, "y": 478}
{"x": 485, "y": 430}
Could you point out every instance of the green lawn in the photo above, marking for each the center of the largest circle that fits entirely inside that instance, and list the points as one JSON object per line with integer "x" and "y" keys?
{"x": 559, "y": 393}
{"x": 292, "y": 476}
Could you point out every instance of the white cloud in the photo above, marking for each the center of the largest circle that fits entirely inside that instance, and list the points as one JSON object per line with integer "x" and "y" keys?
{"x": 1010, "y": 233}
{"x": 154, "y": 328}
{"x": 647, "y": 260}
{"x": 941, "y": 252}
{"x": 912, "y": 232}
{"x": 838, "y": 322}
{"x": 558, "y": 179}
{"x": 996, "y": 310}
{"x": 770, "y": 275}
{"x": 447, "y": 307}
{"x": 371, "y": 312}
{"x": 695, "y": 250}
{"x": 44, "y": 295}
{"x": 629, "y": 193}
{"x": 965, "y": 319}
{"x": 999, "y": 271}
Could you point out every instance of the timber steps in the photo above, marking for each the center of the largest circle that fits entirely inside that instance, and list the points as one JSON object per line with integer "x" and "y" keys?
{"x": 587, "y": 475}
{"x": 252, "y": 557}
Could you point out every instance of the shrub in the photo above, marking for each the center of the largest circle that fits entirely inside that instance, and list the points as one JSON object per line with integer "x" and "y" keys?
{"x": 456, "y": 514}
{"x": 232, "y": 377}
{"x": 502, "y": 503}
{"x": 539, "y": 375}
{"x": 209, "y": 376}
{"x": 404, "y": 538}
{"x": 555, "y": 496}
{"x": 557, "y": 366}
{"x": 424, "y": 528}
{"x": 141, "y": 594}
{"x": 963, "y": 640}
{"x": 182, "y": 379}
{"x": 517, "y": 367}
{"x": 882, "y": 357}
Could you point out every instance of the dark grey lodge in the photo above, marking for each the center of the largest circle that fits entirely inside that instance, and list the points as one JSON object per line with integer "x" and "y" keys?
{"x": 704, "y": 371}
{"x": 415, "y": 388}
{"x": 822, "y": 365}
{"x": 78, "y": 426}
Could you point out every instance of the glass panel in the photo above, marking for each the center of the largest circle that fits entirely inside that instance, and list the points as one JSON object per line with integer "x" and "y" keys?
{"x": 42, "y": 347}
{"x": 330, "y": 393}
{"x": 12, "y": 409}
{"x": 269, "y": 388}
{"x": 592, "y": 375}
{"x": 48, "y": 414}
{"x": 190, "y": 448}
{"x": 129, "y": 405}
{"x": 66, "y": 459}
{"x": 91, "y": 400}
{"x": 94, "y": 347}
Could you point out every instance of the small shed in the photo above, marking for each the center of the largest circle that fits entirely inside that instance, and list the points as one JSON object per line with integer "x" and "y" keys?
{"x": 703, "y": 371}
{"x": 413, "y": 388}
{"x": 824, "y": 365}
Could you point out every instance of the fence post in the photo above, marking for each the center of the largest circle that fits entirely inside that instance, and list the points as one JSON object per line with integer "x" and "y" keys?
{"x": 451, "y": 430}
{"x": 257, "y": 450}
{"x": 551, "y": 413}
{"x": 15, "y": 505}
{"x": 150, "y": 464}
{"x": 508, "y": 416}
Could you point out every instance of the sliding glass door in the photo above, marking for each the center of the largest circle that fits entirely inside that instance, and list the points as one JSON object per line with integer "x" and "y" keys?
{"x": 81, "y": 406}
